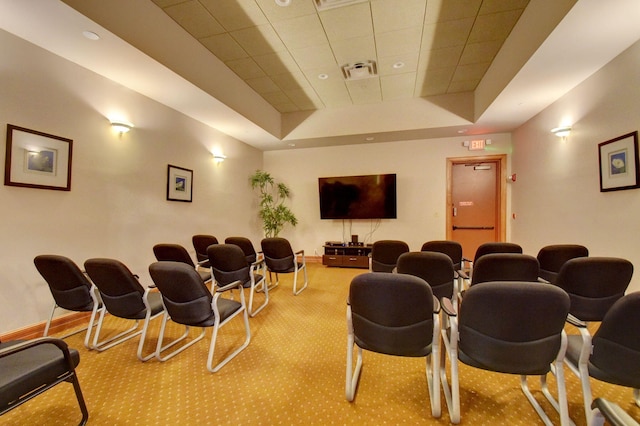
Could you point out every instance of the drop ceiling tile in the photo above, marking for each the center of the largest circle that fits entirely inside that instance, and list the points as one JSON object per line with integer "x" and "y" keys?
{"x": 276, "y": 63}
{"x": 452, "y": 10}
{"x": 470, "y": 71}
{"x": 194, "y": 18}
{"x": 224, "y": 47}
{"x": 315, "y": 57}
{"x": 446, "y": 34}
{"x": 235, "y": 14}
{"x": 259, "y": 40}
{"x": 386, "y": 65}
{"x": 291, "y": 81}
{"x": 496, "y": 26}
{"x": 434, "y": 81}
{"x": 165, "y": 3}
{"x": 277, "y": 97}
{"x": 397, "y": 42}
{"x": 263, "y": 85}
{"x": 347, "y": 22}
{"x": 245, "y": 68}
{"x": 354, "y": 50}
{"x": 463, "y": 86}
{"x": 493, "y": 6}
{"x": 398, "y": 86}
{"x": 301, "y": 32}
{"x": 440, "y": 58}
{"x": 276, "y": 13}
{"x": 305, "y": 100}
{"x": 391, "y": 15}
{"x": 365, "y": 91}
{"x": 332, "y": 91}
{"x": 480, "y": 52}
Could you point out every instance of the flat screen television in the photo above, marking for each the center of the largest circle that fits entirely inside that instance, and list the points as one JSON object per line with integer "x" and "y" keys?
{"x": 358, "y": 197}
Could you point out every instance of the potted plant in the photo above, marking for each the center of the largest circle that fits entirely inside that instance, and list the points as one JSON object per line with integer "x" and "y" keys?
{"x": 273, "y": 212}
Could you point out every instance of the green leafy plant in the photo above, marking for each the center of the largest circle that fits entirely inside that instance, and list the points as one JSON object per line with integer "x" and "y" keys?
{"x": 273, "y": 212}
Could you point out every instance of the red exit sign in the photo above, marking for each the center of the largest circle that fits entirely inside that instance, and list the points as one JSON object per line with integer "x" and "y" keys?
{"x": 476, "y": 145}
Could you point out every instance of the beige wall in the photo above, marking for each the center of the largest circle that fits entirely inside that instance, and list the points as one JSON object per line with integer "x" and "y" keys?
{"x": 557, "y": 196}
{"x": 117, "y": 206}
{"x": 421, "y": 185}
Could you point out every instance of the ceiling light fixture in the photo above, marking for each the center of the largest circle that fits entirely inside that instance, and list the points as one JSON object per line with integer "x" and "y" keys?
{"x": 323, "y": 76}
{"x": 561, "y": 132}
{"x": 121, "y": 126}
{"x": 283, "y": 3}
{"x": 91, "y": 35}
{"x": 398, "y": 65}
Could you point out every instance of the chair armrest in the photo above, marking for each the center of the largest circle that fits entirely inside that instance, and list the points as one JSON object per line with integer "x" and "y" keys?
{"x": 543, "y": 281}
{"x": 612, "y": 412}
{"x": 447, "y": 307}
{"x": 576, "y": 322}
{"x": 462, "y": 274}
{"x": 436, "y": 305}
{"x": 300, "y": 252}
{"x": 19, "y": 347}
{"x": 202, "y": 262}
{"x": 257, "y": 263}
{"x": 235, "y": 284}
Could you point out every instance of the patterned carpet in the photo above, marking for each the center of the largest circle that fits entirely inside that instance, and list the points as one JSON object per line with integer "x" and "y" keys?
{"x": 292, "y": 373}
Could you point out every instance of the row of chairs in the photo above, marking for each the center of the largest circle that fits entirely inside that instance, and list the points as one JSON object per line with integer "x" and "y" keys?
{"x": 483, "y": 331}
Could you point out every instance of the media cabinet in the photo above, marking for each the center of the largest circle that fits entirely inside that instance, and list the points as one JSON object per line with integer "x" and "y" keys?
{"x": 346, "y": 256}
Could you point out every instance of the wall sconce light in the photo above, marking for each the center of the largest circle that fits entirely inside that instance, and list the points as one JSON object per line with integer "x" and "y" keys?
{"x": 121, "y": 126}
{"x": 561, "y": 132}
{"x": 219, "y": 158}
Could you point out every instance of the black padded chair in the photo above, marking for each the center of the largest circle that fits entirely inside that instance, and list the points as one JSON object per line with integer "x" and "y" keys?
{"x": 496, "y": 247}
{"x": 123, "y": 297}
{"x": 187, "y": 301}
{"x": 453, "y": 249}
{"x": 505, "y": 267}
{"x": 32, "y": 367}
{"x": 70, "y": 288}
{"x": 200, "y": 244}
{"x": 253, "y": 257}
{"x": 407, "y": 324}
{"x": 613, "y": 354}
{"x": 229, "y": 264}
{"x": 385, "y": 254}
{"x": 281, "y": 259}
{"x": 498, "y": 328}
{"x": 552, "y": 257}
{"x": 176, "y": 253}
{"x": 433, "y": 267}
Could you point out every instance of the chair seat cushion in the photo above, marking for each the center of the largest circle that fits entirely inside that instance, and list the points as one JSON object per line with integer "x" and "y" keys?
{"x": 30, "y": 369}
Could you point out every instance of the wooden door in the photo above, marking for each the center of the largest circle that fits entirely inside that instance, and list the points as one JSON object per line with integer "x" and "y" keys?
{"x": 476, "y": 201}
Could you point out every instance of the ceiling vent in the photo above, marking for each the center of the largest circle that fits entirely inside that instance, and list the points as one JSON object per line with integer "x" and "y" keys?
{"x": 359, "y": 70}
{"x": 330, "y": 4}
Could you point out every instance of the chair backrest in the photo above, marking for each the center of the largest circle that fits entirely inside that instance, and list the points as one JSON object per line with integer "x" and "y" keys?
{"x": 496, "y": 247}
{"x": 172, "y": 253}
{"x": 228, "y": 263}
{"x": 392, "y": 313}
{"x": 200, "y": 244}
{"x": 594, "y": 284}
{"x": 185, "y": 297}
{"x": 505, "y": 267}
{"x": 512, "y": 327}
{"x": 385, "y": 254}
{"x": 453, "y": 249}
{"x": 616, "y": 344}
{"x": 246, "y": 246}
{"x": 551, "y": 258}
{"x": 120, "y": 289}
{"x": 278, "y": 254}
{"x": 433, "y": 267}
{"x": 69, "y": 287}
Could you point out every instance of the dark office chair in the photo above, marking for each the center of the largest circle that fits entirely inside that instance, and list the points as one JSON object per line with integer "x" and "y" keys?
{"x": 281, "y": 259}
{"x": 252, "y": 256}
{"x": 70, "y": 288}
{"x": 433, "y": 267}
{"x": 496, "y": 247}
{"x": 453, "y": 249}
{"x": 385, "y": 254}
{"x": 497, "y": 328}
{"x": 229, "y": 264}
{"x": 551, "y": 258}
{"x": 407, "y": 324}
{"x": 32, "y": 367}
{"x": 603, "y": 409}
{"x": 200, "y": 244}
{"x": 613, "y": 354}
{"x": 123, "y": 297}
{"x": 188, "y": 302}
{"x": 505, "y": 267}
{"x": 177, "y": 253}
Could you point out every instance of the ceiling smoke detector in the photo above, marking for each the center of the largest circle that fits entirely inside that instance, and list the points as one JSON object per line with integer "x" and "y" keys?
{"x": 330, "y": 4}
{"x": 359, "y": 70}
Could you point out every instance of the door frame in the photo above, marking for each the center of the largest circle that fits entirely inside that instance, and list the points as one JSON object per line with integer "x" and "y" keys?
{"x": 501, "y": 190}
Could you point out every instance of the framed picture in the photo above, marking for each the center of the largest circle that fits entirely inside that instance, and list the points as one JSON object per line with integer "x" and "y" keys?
{"x": 619, "y": 168}
{"x": 37, "y": 160}
{"x": 179, "y": 184}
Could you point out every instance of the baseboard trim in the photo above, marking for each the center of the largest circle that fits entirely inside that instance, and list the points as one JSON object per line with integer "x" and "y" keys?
{"x": 58, "y": 324}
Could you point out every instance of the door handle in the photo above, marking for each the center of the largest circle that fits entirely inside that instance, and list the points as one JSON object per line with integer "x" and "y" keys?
{"x": 473, "y": 227}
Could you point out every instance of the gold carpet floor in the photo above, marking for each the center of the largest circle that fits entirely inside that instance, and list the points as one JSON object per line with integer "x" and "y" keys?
{"x": 292, "y": 373}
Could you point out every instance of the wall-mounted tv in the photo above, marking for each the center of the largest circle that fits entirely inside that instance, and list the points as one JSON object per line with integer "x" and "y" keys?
{"x": 358, "y": 197}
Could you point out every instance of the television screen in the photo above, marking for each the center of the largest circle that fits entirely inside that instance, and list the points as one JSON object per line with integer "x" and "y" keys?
{"x": 358, "y": 197}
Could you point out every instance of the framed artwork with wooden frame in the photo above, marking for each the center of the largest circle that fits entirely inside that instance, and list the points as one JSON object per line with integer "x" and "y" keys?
{"x": 37, "y": 160}
{"x": 179, "y": 184}
{"x": 619, "y": 165}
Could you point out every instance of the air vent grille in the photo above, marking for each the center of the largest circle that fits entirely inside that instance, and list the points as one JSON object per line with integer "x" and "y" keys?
{"x": 359, "y": 70}
{"x": 330, "y": 4}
